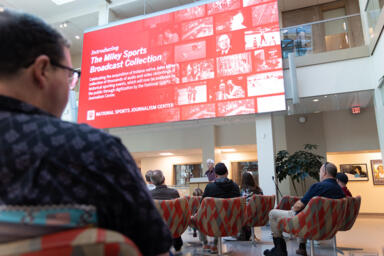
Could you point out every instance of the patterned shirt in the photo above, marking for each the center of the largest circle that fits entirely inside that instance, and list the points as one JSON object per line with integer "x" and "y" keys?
{"x": 44, "y": 160}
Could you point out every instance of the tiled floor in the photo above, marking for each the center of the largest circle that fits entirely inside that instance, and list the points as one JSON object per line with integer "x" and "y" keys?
{"x": 366, "y": 235}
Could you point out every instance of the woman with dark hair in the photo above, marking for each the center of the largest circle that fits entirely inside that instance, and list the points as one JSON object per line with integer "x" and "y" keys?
{"x": 248, "y": 185}
{"x": 248, "y": 188}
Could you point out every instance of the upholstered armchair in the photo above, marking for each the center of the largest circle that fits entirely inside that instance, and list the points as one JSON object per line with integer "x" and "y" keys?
{"x": 353, "y": 208}
{"x": 287, "y": 202}
{"x": 257, "y": 211}
{"x": 319, "y": 220}
{"x": 220, "y": 217}
{"x": 83, "y": 241}
{"x": 176, "y": 214}
{"x": 194, "y": 203}
{"x": 60, "y": 230}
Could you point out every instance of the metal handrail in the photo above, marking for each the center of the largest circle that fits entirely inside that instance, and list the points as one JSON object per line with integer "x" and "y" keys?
{"x": 322, "y": 21}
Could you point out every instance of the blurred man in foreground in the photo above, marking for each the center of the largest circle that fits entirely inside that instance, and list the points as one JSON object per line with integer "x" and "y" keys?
{"x": 46, "y": 161}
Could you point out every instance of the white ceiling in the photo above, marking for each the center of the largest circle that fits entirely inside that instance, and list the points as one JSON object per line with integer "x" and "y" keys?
{"x": 83, "y": 14}
{"x": 332, "y": 102}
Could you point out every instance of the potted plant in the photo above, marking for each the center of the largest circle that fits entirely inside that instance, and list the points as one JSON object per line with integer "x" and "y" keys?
{"x": 298, "y": 166}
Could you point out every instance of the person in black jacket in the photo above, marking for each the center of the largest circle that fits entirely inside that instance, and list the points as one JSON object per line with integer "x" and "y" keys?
{"x": 222, "y": 187}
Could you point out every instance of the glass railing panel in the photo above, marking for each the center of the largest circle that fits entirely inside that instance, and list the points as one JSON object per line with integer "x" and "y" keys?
{"x": 373, "y": 10}
{"x": 323, "y": 36}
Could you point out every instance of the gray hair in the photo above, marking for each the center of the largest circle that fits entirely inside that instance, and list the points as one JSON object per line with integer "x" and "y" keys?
{"x": 148, "y": 175}
{"x": 210, "y": 161}
{"x": 331, "y": 169}
{"x": 157, "y": 177}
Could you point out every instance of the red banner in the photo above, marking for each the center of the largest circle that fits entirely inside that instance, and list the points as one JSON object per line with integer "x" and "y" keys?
{"x": 213, "y": 60}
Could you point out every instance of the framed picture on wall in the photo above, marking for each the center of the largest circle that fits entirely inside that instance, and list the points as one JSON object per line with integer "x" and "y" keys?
{"x": 355, "y": 172}
{"x": 377, "y": 172}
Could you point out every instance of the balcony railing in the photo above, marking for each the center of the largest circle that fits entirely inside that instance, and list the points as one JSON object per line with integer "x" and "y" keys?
{"x": 373, "y": 10}
{"x": 322, "y": 36}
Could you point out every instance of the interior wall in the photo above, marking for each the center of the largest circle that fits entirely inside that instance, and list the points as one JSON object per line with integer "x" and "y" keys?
{"x": 309, "y": 132}
{"x": 347, "y": 132}
{"x": 371, "y": 195}
{"x": 165, "y": 164}
{"x": 152, "y": 139}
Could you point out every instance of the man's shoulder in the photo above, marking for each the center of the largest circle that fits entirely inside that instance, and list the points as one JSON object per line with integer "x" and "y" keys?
{"x": 84, "y": 132}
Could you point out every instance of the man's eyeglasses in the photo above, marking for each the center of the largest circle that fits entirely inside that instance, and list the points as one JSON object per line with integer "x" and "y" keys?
{"x": 73, "y": 77}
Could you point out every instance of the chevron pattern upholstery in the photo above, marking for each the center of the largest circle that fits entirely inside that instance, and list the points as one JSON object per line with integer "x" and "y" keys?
{"x": 175, "y": 213}
{"x": 257, "y": 210}
{"x": 220, "y": 217}
{"x": 319, "y": 220}
{"x": 83, "y": 241}
{"x": 287, "y": 202}
{"x": 194, "y": 203}
{"x": 353, "y": 208}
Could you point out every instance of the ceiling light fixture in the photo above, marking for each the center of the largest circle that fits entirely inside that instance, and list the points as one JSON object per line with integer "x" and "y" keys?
{"x": 60, "y": 2}
{"x": 166, "y": 154}
{"x": 77, "y": 37}
{"x": 315, "y": 100}
{"x": 228, "y": 150}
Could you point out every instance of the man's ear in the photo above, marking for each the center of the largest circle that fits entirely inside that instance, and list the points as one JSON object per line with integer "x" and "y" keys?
{"x": 40, "y": 70}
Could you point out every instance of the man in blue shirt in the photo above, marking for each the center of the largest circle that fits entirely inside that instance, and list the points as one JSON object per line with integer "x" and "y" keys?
{"x": 327, "y": 187}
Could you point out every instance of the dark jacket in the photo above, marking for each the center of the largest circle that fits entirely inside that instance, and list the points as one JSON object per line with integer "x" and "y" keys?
{"x": 222, "y": 188}
{"x": 162, "y": 192}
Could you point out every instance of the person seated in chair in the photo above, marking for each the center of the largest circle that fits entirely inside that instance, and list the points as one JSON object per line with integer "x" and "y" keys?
{"x": 342, "y": 180}
{"x": 222, "y": 187}
{"x": 248, "y": 189}
{"x": 47, "y": 161}
{"x": 327, "y": 187}
{"x": 162, "y": 192}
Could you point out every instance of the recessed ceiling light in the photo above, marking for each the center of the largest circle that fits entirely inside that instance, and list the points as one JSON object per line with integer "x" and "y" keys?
{"x": 166, "y": 154}
{"x": 227, "y": 150}
{"x": 60, "y": 2}
{"x": 325, "y": 96}
{"x": 317, "y": 112}
{"x": 77, "y": 37}
{"x": 315, "y": 100}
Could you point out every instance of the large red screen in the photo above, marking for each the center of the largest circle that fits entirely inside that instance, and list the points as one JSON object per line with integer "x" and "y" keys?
{"x": 214, "y": 60}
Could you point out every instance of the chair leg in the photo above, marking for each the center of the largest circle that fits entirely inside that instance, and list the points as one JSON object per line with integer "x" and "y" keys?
{"x": 253, "y": 236}
{"x": 219, "y": 246}
{"x": 312, "y": 248}
{"x": 335, "y": 249}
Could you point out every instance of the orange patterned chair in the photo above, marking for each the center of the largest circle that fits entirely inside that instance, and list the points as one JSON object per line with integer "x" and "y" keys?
{"x": 319, "y": 220}
{"x": 82, "y": 241}
{"x": 257, "y": 211}
{"x": 194, "y": 204}
{"x": 353, "y": 208}
{"x": 175, "y": 213}
{"x": 287, "y": 202}
{"x": 220, "y": 217}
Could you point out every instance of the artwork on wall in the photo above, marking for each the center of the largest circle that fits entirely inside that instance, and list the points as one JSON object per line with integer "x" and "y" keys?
{"x": 377, "y": 172}
{"x": 355, "y": 172}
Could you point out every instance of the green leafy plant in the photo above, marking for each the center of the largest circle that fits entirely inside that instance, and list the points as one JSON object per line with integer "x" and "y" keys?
{"x": 298, "y": 166}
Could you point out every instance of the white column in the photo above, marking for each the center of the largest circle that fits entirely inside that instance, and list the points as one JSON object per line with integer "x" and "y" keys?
{"x": 379, "y": 111}
{"x": 265, "y": 153}
{"x": 104, "y": 14}
{"x": 208, "y": 145}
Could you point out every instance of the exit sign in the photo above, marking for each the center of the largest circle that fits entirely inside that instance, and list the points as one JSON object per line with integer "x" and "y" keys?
{"x": 356, "y": 110}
